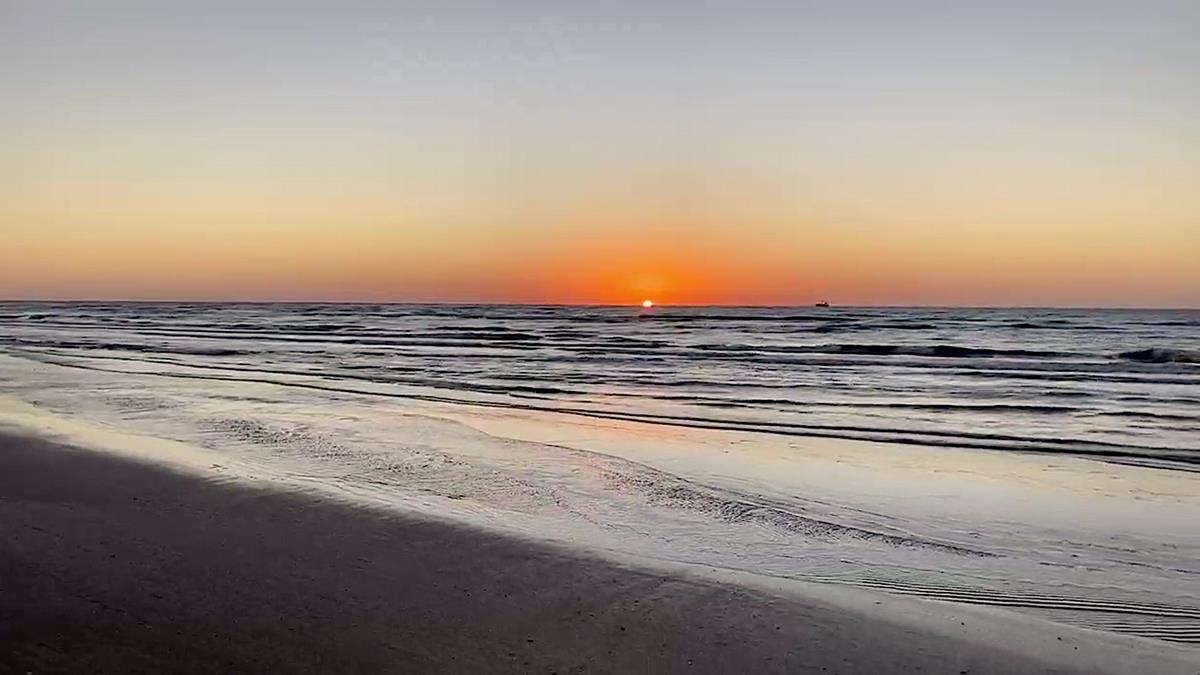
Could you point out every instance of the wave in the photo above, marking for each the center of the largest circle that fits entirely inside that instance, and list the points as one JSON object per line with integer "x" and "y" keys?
{"x": 460, "y": 333}
{"x": 1042, "y": 325}
{"x": 84, "y": 345}
{"x": 861, "y": 349}
{"x": 1174, "y": 623}
{"x": 903, "y": 405}
{"x": 948, "y": 351}
{"x": 734, "y": 507}
{"x": 456, "y": 341}
{"x": 1186, "y": 459}
{"x": 1161, "y": 355}
{"x": 1145, "y": 414}
{"x": 852, "y": 327}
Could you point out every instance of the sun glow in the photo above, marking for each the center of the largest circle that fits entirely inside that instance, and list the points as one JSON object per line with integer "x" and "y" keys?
{"x": 647, "y": 304}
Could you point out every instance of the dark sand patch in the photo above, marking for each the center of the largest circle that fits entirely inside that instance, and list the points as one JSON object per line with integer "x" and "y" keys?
{"x": 110, "y": 565}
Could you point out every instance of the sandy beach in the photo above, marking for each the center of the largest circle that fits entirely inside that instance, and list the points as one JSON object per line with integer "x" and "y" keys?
{"x": 111, "y": 565}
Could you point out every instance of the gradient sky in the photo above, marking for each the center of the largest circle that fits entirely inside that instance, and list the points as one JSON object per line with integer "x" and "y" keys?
{"x": 1004, "y": 153}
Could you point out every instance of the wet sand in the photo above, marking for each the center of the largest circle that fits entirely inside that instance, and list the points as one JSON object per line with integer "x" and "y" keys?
{"x": 112, "y": 565}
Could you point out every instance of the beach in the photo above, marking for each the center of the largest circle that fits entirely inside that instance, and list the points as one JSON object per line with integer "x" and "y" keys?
{"x": 403, "y": 488}
{"x": 600, "y": 337}
{"x": 114, "y": 565}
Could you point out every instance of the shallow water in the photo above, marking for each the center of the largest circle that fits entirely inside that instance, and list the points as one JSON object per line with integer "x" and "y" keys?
{"x": 1040, "y": 460}
{"x": 1120, "y": 385}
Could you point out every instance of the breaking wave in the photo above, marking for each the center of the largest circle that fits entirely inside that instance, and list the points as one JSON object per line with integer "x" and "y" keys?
{"x": 1162, "y": 355}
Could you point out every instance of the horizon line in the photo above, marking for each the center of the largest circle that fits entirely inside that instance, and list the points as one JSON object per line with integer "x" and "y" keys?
{"x": 631, "y": 305}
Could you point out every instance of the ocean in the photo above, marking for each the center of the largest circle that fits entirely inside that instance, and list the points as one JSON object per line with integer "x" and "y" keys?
{"x": 1041, "y": 460}
{"x": 1111, "y": 384}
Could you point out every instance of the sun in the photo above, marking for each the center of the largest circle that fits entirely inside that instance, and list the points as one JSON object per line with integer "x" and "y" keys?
{"x": 647, "y": 304}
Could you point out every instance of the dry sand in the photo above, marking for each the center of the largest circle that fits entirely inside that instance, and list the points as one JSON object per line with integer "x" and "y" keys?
{"x": 111, "y": 565}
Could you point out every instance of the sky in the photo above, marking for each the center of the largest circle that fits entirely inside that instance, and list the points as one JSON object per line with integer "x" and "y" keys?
{"x": 880, "y": 153}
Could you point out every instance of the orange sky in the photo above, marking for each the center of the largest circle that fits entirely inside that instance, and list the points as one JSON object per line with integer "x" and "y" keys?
{"x": 1001, "y": 156}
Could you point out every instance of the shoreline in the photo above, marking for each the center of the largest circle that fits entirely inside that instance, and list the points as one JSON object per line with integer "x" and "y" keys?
{"x": 1157, "y": 458}
{"x": 111, "y": 564}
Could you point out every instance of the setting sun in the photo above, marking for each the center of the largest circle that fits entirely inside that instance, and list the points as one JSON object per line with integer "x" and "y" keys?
{"x": 647, "y": 304}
